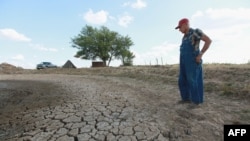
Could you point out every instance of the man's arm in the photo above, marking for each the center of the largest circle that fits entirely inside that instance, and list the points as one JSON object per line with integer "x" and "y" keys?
{"x": 207, "y": 41}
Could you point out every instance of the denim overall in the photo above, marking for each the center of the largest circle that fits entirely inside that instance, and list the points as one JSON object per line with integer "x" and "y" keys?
{"x": 190, "y": 75}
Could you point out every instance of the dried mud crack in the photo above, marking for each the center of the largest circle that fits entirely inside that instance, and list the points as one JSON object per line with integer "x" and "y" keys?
{"x": 55, "y": 107}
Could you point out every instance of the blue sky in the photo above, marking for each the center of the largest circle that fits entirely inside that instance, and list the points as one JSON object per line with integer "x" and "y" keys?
{"x": 32, "y": 31}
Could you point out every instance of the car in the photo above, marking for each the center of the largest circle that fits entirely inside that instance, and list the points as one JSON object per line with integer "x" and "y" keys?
{"x": 44, "y": 65}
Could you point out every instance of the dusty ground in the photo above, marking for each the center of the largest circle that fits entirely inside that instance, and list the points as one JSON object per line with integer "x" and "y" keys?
{"x": 128, "y": 103}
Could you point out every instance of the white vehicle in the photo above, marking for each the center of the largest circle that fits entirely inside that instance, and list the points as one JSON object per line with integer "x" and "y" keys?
{"x": 44, "y": 65}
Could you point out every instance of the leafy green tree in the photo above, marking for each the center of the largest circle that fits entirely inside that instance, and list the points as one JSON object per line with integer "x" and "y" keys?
{"x": 127, "y": 58}
{"x": 104, "y": 44}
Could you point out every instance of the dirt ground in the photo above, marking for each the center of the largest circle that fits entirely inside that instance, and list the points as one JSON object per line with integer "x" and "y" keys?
{"x": 120, "y": 104}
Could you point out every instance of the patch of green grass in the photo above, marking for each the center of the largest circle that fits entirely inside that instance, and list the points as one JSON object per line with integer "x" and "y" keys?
{"x": 235, "y": 90}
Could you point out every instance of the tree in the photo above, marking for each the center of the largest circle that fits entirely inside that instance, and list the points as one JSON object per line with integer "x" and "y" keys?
{"x": 127, "y": 58}
{"x": 104, "y": 44}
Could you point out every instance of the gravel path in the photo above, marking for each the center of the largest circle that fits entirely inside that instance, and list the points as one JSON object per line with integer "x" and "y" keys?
{"x": 54, "y": 107}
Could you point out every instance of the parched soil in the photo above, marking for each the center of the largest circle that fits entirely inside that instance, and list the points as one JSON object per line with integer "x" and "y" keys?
{"x": 119, "y": 104}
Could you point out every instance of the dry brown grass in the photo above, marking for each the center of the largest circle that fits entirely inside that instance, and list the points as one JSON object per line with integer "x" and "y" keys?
{"x": 229, "y": 80}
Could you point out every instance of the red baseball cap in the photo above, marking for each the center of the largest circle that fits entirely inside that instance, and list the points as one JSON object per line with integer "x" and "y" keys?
{"x": 182, "y": 21}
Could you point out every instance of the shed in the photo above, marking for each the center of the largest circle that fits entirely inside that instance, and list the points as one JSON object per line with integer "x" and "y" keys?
{"x": 98, "y": 64}
{"x": 69, "y": 64}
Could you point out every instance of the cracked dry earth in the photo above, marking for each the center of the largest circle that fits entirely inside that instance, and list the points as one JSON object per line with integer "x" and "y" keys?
{"x": 57, "y": 107}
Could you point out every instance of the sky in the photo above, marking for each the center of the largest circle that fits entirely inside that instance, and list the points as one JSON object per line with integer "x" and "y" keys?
{"x": 32, "y": 31}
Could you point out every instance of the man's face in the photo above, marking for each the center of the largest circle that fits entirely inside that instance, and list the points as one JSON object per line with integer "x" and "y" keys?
{"x": 182, "y": 28}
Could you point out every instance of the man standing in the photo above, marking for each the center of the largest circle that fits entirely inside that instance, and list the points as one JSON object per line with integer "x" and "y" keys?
{"x": 191, "y": 76}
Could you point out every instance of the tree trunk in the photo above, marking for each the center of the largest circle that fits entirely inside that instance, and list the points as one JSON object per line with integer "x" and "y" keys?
{"x": 109, "y": 60}
{"x": 104, "y": 63}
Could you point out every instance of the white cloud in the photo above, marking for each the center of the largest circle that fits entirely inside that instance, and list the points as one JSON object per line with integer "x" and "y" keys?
{"x": 99, "y": 17}
{"x": 227, "y": 13}
{"x": 228, "y": 28}
{"x": 12, "y": 34}
{"x": 125, "y": 20}
{"x": 166, "y": 53}
{"x": 42, "y": 48}
{"x": 222, "y": 17}
{"x": 126, "y": 4}
{"x": 18, "y": 57}
{"x": 197, "y": 14}
{"x": 139, "y": 4}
